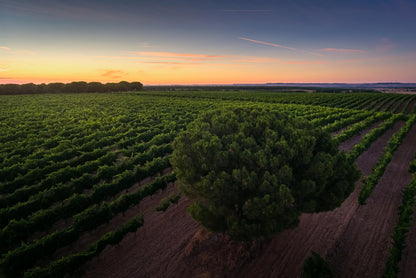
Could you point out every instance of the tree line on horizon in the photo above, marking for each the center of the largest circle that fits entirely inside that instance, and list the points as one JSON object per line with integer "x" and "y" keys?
{"x": 73, "y": 87}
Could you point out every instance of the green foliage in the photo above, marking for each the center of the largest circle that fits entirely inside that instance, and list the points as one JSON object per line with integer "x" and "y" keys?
{"x": 69, "y": 264}
{"x": 316, "y": 267}
{"x": 406, "y": 215}
{"x": 396, "y": 140}
{"x": 252, "y": 171}
{"x": 165, "y": 202}
{"x": 73, "y": 87}
{"x": 360, "y": 126}
{"x": 21, "y": 258}
{"x": 64, "y": 156}
{"x": 373, "y": 135}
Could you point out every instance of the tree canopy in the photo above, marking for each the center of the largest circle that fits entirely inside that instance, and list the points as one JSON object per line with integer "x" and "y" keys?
{"x": 73, "y": 87}
{"x": 251, "y": 172}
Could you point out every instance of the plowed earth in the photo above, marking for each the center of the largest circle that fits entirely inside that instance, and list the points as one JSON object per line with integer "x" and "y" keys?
{"x": 354, "y": 239}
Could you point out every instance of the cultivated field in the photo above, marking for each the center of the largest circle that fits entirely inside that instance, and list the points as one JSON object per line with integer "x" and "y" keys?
{"x": 82, "y": 174}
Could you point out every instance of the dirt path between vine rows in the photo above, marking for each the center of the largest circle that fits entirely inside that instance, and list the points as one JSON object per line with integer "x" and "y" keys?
{"x": 349, "y": 144}
{"x": 402, "y": 105}
{"x": 363, "y": 248}
{"x": 395, "y": 104}
{"x": 383, "y": 108}
{"x": 317, "y": 232}
{"x": 171, "y": 244}
{"x": 407, "y": 265}
{"x": 410, "y": 107}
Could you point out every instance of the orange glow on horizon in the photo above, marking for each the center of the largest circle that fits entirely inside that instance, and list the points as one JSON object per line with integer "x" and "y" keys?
{"x": 167, "y": 68}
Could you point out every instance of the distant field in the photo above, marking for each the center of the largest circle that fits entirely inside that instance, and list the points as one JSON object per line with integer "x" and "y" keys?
{"x": 82, "y": 174}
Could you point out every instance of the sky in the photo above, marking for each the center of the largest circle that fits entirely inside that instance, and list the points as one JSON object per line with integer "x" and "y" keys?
{"x": 208, "y": 42}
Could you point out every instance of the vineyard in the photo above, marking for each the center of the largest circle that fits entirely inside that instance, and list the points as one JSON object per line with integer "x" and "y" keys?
{"x": 87, "y": 188}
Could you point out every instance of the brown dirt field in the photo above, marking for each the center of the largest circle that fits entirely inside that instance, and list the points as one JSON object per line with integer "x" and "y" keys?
{"x": 396, "y": 103}
{"x": 363, "y": 248}
{"x": 385, "y": 105}
{"x": 407, "y": 265}
{"x": 153, "y": 249}
{"x": 402, "y": 105}
{"x": 350, "y": 143}
{"x": 410, "y": 107}
{"x": 89, "y": 237}
{"x": 371, "y": 104}
{"x": 171, "y": 244}
{"x": 399, "y": 91}
{"x": 317, "y": 232}
{"x": 65, "y": 223}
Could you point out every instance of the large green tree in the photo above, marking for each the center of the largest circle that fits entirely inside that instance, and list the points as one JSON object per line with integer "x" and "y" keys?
{"x": 251, "y": 172}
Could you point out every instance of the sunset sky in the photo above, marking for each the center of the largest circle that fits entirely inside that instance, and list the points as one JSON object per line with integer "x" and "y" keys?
{"x": 207, "y": 42}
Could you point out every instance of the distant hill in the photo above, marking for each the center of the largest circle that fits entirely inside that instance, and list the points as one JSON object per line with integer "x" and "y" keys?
{"x": 383, "y": 85}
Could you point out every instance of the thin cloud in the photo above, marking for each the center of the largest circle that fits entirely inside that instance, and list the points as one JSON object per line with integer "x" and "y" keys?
{"x": 24, "y": 52}
{"x": 172, "y": 63}
{"x": 341, "y": 50}
{"x": 176, "y": 55}
{"x": 257, "y": 60}
{"x": 113, "y": 73}
{"x": 145, "y": 44}
{"x": 305, "y": 62}
{"x": 233, "y": 58}
{"x": 362, "y": 60}
{"x": 18, "y": 52}
{"x": 385, "y": 45}
{"x": 267, "y": 43}
{"x": 314, "y": 53}
{"x": 4, "y": 69}
{"x": 136, "y": 58}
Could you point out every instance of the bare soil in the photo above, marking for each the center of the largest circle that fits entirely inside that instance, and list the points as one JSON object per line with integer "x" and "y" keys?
{"x": 385, "y": 105}
{"x": 399, "y": 91}
{"x": 396, "y": 103}
{"x": 154, "y": 249}
{"x": 90, "y": 237}
{"x": 370, "y": 105}
{"x": 407, "y": 265}
{"x": 171, "y": 244}
{"x": 402, "y": 105}
{"x": 349, "y": 144}
{"x": 363, "y": 248}
{"x": 410, "y": 107}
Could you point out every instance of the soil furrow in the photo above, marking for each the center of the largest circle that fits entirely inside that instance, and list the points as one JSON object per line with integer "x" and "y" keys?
{"x": 349, "y": 144}
{"x": 319, "y": 232}
{"x": 410, "y": 107}
{"x": 407, "y": 265}
{"x": 171, "y": 244}
{"x": 363, "y": 248}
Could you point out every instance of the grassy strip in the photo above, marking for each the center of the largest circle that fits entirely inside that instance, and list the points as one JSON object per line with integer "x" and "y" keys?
{"x": 370, "y": 182}
{"x": 71, "y": 263}
{"x": 406, "y": 212}
{"x": 360, "y": 126}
